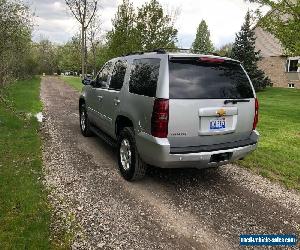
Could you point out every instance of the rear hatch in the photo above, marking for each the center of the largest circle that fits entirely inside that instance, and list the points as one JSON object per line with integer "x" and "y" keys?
{"x": 212, "y": 103}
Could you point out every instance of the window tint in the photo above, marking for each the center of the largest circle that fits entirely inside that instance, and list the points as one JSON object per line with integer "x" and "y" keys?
{"x": 293, "y": 66}
{"x": 144, "y": 76}
{"x": 193, "y": 79}
{"x": 118, "y": 75}
{"x": 102, "y": 77}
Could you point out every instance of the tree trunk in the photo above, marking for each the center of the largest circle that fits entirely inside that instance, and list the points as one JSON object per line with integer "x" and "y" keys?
{"x": 94, "y": 62}
{"x": 82, "y": 51}
{"x": 85, "y": 54}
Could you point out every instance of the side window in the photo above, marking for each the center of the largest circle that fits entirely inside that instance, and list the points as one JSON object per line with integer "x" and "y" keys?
{"x": 103, "y": 76}
{"x": 144, "y": 76}
{"x": 117, "y": 78}
{"x": 293, "y": 66}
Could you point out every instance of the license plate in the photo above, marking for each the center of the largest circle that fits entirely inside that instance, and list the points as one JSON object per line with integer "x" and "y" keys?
{"x": 217, "y": 124}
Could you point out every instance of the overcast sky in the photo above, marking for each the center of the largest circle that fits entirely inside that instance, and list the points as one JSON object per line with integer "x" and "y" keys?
{"x": 224, "y": 18}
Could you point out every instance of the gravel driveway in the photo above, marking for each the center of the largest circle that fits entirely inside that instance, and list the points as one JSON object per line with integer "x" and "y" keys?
{"x": 169, "y": 209}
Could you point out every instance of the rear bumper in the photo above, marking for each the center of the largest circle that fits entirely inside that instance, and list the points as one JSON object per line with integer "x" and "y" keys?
{"x": 156, "y": 151}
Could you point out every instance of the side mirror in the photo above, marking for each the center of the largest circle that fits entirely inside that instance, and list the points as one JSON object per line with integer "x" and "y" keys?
{"x": 86, "y": 81}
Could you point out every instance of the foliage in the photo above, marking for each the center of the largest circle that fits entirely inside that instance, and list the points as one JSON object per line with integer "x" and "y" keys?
{"x": 244, "y": 50}
{"x": 122, "y": 38}
{"x": 154, "y": 28}
{"x": 46, "y": 56}
{"x": 283, "y": 21}
{"x": 103, "y": 55}
{"x": 94, "y": 39}
{"x": 70, "y": 55}
{"x": 146, "y": 28}
{"x": 277, "y": 155}
{"x": 15, "y": 40}
{"x": 202, "y": 41}
{"x": 225, "y": 50}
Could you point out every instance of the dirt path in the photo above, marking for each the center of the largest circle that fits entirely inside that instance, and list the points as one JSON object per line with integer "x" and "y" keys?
{"x": 169, "y": 209}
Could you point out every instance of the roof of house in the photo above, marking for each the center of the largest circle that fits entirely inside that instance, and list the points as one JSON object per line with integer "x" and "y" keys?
{"x": 267, "y": 43}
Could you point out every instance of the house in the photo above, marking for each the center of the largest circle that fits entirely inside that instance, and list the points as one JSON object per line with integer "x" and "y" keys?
{"x": 283, "y": 71}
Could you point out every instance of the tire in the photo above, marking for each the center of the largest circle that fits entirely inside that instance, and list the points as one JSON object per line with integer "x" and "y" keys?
{"x": 84, "y": 122}
{"x": 131, "y": 167}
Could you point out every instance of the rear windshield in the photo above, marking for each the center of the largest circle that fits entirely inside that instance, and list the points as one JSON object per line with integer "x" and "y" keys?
{"x": 191, "y": 78}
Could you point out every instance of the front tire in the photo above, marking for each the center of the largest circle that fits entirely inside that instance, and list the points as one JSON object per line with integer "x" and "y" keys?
{"x": 85, "y": 125}
{"x": 130, "y": 164}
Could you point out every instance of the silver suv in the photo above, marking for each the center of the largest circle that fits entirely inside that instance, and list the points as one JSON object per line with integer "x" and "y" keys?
{"x": 171, "y": 110}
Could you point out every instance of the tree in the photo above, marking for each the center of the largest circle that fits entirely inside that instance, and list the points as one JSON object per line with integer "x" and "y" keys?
{"x": 283, "y": 21}
{"x": 84, "y": 11}
{"x": 46, "y": 56}
{"x": 15, "y": 40}
{"x": 225, "y": 50}
{"x": 202, "y": 41}
{"x": 94, "y": 38}
{"x": 244, "y": 50}
{"x": 122, "y": 38}
{"x": 70, "y": 54}
{"x": 103, "y": 55}
{"x": 145, "y": 29}
{"x": 155, "y": 29}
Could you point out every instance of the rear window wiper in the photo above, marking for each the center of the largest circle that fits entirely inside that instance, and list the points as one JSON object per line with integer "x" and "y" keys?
{"x": 235, "y": 101}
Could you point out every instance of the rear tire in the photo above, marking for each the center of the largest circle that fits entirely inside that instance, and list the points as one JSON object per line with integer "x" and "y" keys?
{"x": 130, "y": 164}
{"x": 85, "y": 125}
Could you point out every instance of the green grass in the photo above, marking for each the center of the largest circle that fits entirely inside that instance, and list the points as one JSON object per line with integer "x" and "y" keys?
{"x": 24, "y": 212}
{"x": 278, "y": 154}
{"x": 74, "y": 81}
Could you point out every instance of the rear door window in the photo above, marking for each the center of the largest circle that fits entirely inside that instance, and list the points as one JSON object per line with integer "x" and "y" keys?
{"x": 191, "y": 78}
{"x": 117, "y": 78}
{"x": 144, "y": 76}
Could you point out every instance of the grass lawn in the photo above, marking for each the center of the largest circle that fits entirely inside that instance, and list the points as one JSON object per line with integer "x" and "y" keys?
{"x": 74, "y": 81}
{"x": 278, "y": 153}
{"x": 24, "y": 212}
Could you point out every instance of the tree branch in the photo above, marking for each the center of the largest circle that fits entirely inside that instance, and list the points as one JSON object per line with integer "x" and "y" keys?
{"x": 93, "y": 13}
{"x": 69, "y": 4}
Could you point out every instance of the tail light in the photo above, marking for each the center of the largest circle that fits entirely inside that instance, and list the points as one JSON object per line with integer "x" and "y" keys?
{"x": 256, "y": 114}
{"x": 160, "y": 118}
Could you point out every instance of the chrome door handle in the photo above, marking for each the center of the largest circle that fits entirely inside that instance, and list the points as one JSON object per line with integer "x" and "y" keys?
{"x": 100, "y": 97}
{"x": 117, "y": 102}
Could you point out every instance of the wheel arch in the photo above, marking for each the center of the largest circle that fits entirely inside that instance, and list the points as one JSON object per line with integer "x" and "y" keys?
{"x": 81, "y": 101}
{"x": 122, "y": 121}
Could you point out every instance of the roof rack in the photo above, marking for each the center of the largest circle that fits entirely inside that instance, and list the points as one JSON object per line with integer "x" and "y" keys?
{"x": 134, "y": 53}
{"x": 166, "y": 50}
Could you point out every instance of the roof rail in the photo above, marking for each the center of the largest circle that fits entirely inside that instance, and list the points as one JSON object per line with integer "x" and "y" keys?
{"x": 158, "y": 51}
{"x": 191, "y": 51}
{"x": 166, "y": 50}
{"x": 134, "y": 53}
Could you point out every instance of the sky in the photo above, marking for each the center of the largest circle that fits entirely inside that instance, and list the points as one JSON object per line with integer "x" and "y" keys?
{"x": 224, "y": 18}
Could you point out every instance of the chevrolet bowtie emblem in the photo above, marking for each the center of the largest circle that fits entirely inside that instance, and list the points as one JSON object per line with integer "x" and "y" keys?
{"x": 221, "y": 112}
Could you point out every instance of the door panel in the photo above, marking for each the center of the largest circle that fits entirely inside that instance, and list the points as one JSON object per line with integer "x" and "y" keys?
{"x": 98, "y": 98}
{"x": 110, "y": 109}
{"x": 112, "y": 97}
{"x": 97, "y": 107}
{"x": 90, "y": 96}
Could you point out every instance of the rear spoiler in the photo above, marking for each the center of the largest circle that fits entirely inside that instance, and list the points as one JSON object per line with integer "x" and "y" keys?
{"x": 204, "y": 59}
